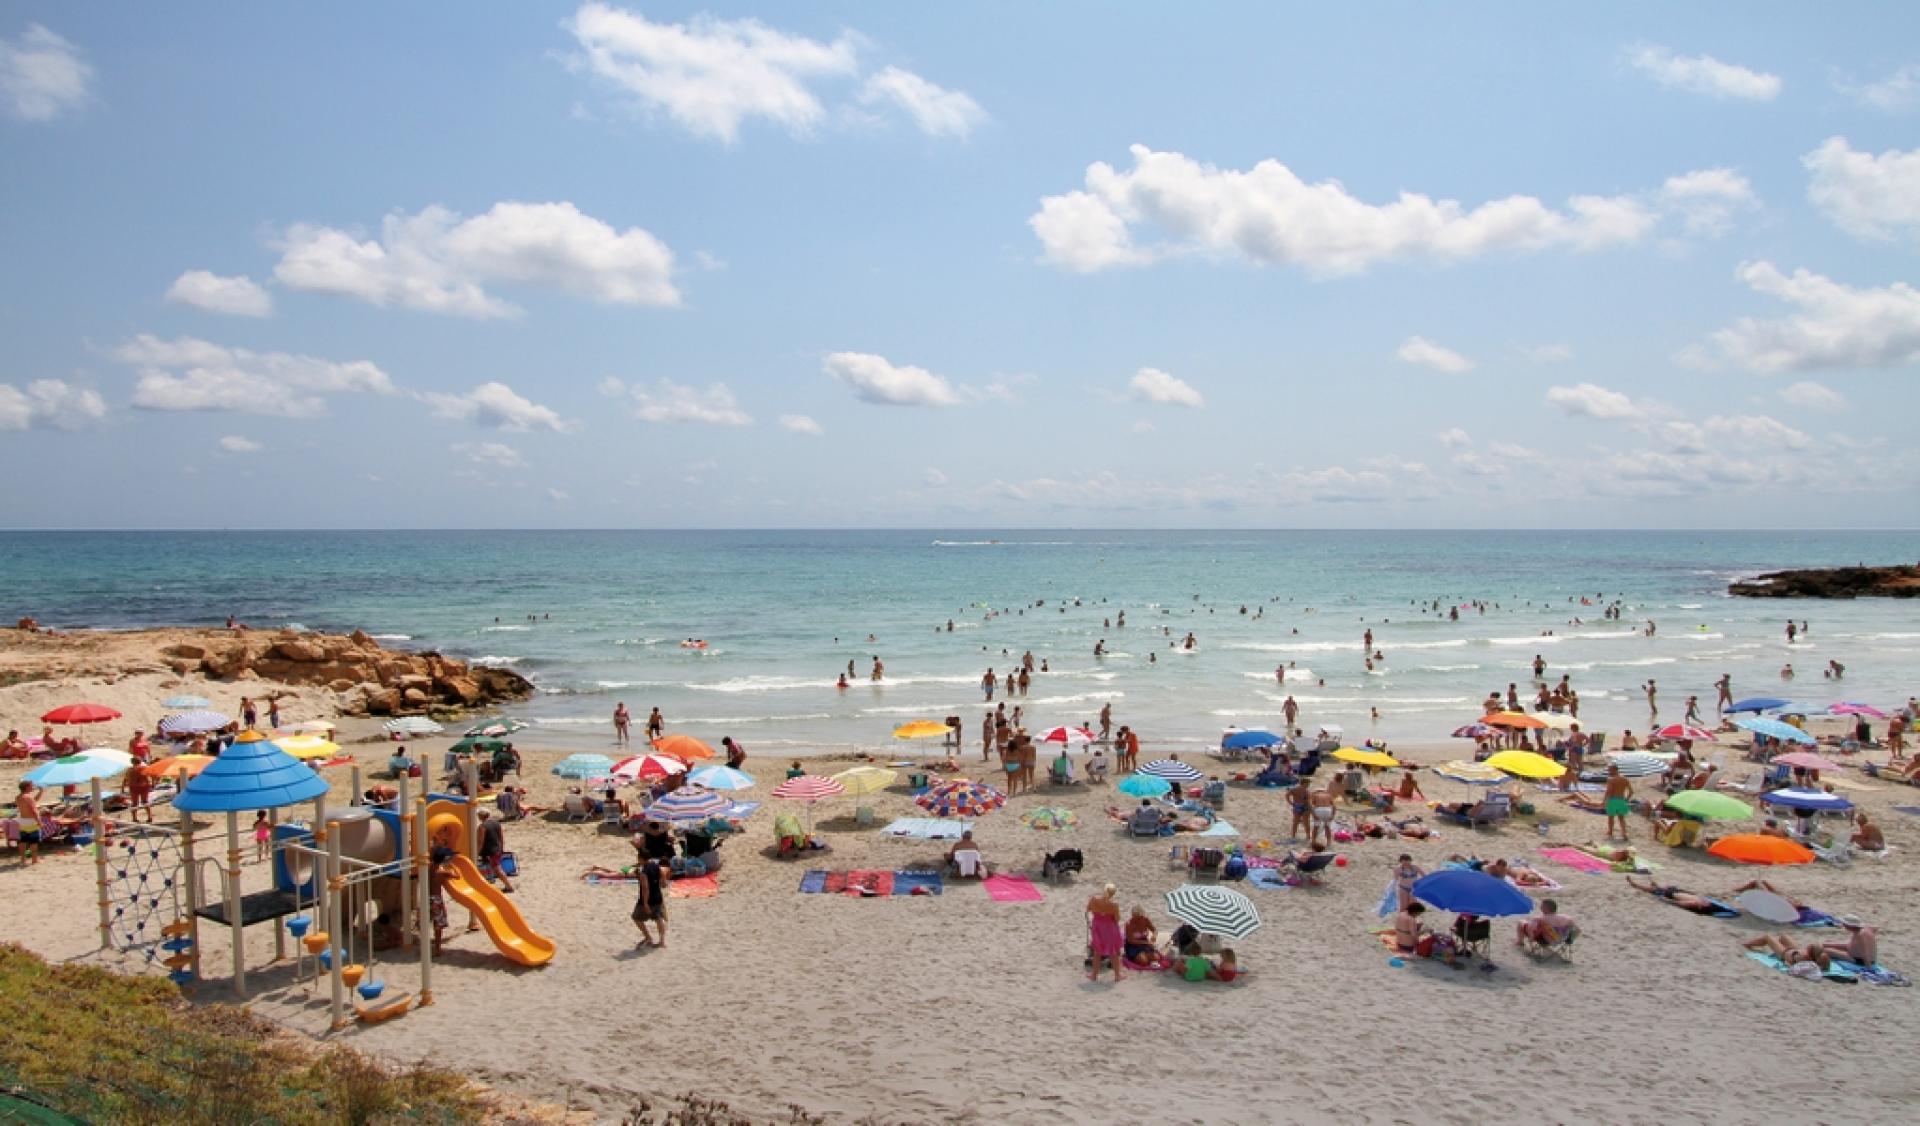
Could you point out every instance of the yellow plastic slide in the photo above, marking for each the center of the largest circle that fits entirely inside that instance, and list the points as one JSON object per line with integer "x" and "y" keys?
{"x": 509, "y": 931}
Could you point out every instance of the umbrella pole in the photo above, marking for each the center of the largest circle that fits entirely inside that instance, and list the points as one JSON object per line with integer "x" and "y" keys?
{"x": 233, "y": 906}
{"x": 100, "y": 865}
{"x": 422, "y": 911}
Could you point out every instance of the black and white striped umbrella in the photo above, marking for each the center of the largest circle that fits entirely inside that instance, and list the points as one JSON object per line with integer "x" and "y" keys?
{"x": 1214, "y": 910}
{"x": 1172, "y": 769}
{"x": 194, "y": 722}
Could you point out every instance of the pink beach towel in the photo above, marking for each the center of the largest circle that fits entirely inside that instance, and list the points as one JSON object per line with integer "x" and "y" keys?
{"x": 1577, "y": 860}
{"x": 1011, "y": 889}
{"x": 694, "y": 887}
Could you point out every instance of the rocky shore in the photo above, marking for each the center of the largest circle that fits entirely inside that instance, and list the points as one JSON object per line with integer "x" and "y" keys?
{"x": 1833, "y": 582}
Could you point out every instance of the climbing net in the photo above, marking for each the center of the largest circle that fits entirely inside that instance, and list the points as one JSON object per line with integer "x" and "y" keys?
{"x": 143, "y": 890}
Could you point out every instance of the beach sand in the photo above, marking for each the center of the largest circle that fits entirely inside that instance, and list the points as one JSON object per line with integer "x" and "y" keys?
{"x": 956, "y": 1008}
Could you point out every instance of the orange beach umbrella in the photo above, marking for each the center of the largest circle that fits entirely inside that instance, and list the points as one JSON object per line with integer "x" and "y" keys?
{"x": 1755, "y": 848}
{"x": 683, "y": 747}
{"x": 1519, "y": 721}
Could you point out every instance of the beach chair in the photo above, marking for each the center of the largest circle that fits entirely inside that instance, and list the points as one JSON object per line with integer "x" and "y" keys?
{"x": 1144, "y": 822}
{"x": 1060, "y": 773}
{"x": 1487, "y": 811}
{"x": 1214, "y": 793}
{"x": 1475, "y": 935}
{"x": 1596, "y": 743}
{"x": 1307, "y": 869}
{"x": 1559, "y": 946}
{"x": 968, "y": 865}
{"x": 577, "y": 808}
{"x": 1205, "y": 863}
{"x": 1061, "y": 863}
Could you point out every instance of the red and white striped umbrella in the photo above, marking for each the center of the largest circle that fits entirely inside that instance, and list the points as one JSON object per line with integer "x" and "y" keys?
{"x": 1069, "y": 736}
{"x": 647, "y": 766}
{"x": 808, "y": 788}
{"x": 1687, "y": 732}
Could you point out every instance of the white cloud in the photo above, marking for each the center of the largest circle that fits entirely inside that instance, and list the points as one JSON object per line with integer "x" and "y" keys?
{"x": 935, "y": 479}
{"x": 1455, "y": 438}
{"x": 1374, "y": 481}
{"x": 709, "y": 75}
{"x": 238, "y": 296}
{"x": 1896, "y": 93}
{"x": 559, "y": 495}
{"x": 1834, "y": 325}
{"x": 800, "y": 424}
{"x": 1143, "y": 427}
{"x": 1151, "y": 385}
{"x": 1707, "y": 199}
{"x": 938, "y": 112}
{"x": 1269, "y": 215}
{"x": 877, "y": 380}
{"x": 1866, "y": 195}
{"x": 497, "y": 454}
{"x": 668, "y": 401}
{"x": 496, "y": 405}
{"x": 187, "y": 374}
{"x": 235, "y": 444}
{"x": 41, "y": 75}
{"x": 1420, "y": 350}
{"x": 51, "y": 403}
{"x": 1547, "y": 353}
{"x": 1810, "y": 395}
{"x": 1595, "y": 401}
{"x": 436, "y": 261}
{"x": 1703, "y": 74}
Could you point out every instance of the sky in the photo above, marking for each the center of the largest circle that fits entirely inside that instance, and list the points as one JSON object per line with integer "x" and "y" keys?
{"x": 983, "y": 265}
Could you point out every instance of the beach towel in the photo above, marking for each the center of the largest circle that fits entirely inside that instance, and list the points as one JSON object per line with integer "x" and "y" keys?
{"x": 1875, "y": 974}
{"x": 814, "y": 882}
{"x": 1268, "y": 879}
{"x": 741, "y": 809}
{"x": 918, "y": 883}
{"x": 1577, "y": 860}
{"x": 862, "y": 884}
{"x": 1219, "y": 829}
{"x": 1909, "y": 810}
{"x": 1812, "y": 918}
{"x": 1011, "y": 889}
{"x": 1720, "y": 910}
{"x": 1833, "y": 971}
{"x": 602, "y": 879}
{"x": 926, "y": 829}
{"x": 694, "y": 887}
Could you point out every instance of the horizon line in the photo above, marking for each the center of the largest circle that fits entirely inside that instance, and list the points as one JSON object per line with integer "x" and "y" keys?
{"x": 949, "y": 528}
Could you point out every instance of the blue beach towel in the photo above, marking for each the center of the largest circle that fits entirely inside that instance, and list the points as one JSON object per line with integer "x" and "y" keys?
{"x": 1875, "y": 974}
{"x": 1218, "y": 829}
{"x": 1721, "y": 910}
{"x": 1833, "y": 972}
{"x": 1390, "y": 902}
{"x": 814, "y": 882}
{"x": 1811, "y": 918}
{"x": 1268, "y": 879}
{"x": 1909, "y": 810}
{"x": 904, "y": 882}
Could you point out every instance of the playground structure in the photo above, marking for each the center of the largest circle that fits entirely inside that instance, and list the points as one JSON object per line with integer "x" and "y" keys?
{"x": 364, "y": 869}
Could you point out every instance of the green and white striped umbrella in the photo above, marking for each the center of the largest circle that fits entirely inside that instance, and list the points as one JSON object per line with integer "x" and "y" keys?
{"x": 1214, "y": 910}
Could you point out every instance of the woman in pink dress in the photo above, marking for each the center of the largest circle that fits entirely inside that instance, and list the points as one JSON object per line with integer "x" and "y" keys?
{"x": 1103, "y": 920}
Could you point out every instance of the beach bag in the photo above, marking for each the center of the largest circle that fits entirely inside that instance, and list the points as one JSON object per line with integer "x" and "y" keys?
{"x": 1424, "y": 947}
{"x": 508, "y": 864}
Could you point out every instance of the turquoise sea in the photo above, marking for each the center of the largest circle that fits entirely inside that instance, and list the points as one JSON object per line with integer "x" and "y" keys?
{"x": 783, "y": 612}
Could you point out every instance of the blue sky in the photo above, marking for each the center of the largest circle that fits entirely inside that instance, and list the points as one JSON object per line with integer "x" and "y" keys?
{"x": 977, "y": 265}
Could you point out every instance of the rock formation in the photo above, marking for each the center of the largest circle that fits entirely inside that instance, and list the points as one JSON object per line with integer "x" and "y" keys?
{"x": 1833, "y": 582}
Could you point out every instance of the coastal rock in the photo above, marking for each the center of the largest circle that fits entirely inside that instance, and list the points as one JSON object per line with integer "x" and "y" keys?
{"x": 298, "y": 650}
{"x": 415, "y": 697}
{"x": 189, "y": 651}
{"x": 1833, "y": 582}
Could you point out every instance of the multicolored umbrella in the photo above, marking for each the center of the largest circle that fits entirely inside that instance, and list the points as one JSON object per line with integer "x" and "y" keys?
{"x": 80, "y": 713}
{"x": 688, "y": 803}
{"x": 1212, "y": 909}
{"x": 1172, "y": 769}
{"x": 1471, "y": 773}
{"x": 583, "y": 766}
{"x": 1774, "y": 729}
{"x": 1472, "y": 731}
{"x": 1367, "y": 757}
{"x": 1067, "y": 736}
{"x": 683, "y": 747}
{"x": 1144, "y": 786}
{"x": 1711, "y": 806}
{"x": 1685, "y": 732}
{"x": 185, "y": 703}
{"x": 720, "y": 778}
{"x": 808, "y": 788}
{"x": 920, "y": 729}
{"x": 862, "y": 780}
{"x": 73, "y": 770}
{"x": 1757, "y": 848}
{"x": 1471, "y": 893}
{"x": 1046, "y": 818}
{"x": 961, "y": 798}
{"x": 194, "y": 723}
{"x": 412, "y": 725}
{"x": 1525, "y": 764}
{"x": 635, "y": 767}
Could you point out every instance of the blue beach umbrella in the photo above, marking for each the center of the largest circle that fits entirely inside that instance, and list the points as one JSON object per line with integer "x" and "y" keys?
{"x": 1774, "y": 729}
{"x": 1758, "y": 704}
{"x": 185, "y": 703}
{"x": 1819, "y": 801}
{"x": 583, "y": 766}
{"x": 1250, "y": 740}
{"x": 1144, "y": 786}
{"x": 721, "y": 778}
{"x": 1171, "y": 769}
{"x": 1471, "y": 893}
{"x": 74, "y": 770}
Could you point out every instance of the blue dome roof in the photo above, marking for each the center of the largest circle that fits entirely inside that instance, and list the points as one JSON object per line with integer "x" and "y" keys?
{"x": 251, "y": 775}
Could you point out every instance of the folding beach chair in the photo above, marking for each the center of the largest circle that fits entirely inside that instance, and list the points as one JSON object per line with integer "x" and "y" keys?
{"x": 1061, "y": 863}
{"x": 1144, "y": 822}
{"x": 1475, "y": 935}
{"x": 1560, "y": 947}
{"x": 1205, "y": 863}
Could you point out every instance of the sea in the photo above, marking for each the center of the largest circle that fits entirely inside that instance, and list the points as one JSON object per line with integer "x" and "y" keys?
{"x": 595, "y": 618}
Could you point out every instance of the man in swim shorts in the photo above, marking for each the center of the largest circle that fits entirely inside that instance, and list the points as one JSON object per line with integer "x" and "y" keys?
{"x": 1619, "y": 802}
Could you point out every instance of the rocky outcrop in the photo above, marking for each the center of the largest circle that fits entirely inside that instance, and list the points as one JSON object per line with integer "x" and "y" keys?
{"x": 368, "y": 679}
{"x": 1833, "y": 582}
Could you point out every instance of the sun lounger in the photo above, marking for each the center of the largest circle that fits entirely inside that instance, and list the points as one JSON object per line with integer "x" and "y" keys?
{"x": 1487, "y": 811}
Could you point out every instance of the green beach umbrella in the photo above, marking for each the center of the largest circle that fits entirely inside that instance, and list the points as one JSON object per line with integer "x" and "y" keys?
{"x": 1707, "y": 804}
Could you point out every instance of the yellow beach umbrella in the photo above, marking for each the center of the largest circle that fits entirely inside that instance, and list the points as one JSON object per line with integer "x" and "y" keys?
{"x": 308, "y": 747}
{"x": 1365, "y": 758}
{"x": 862, "y": 780}
{"x": 920, "y": 729}
{"x": 1526, "y": 764}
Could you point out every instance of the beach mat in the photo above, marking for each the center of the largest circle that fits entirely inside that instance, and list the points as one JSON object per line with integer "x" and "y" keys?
{"x": 918, "y": 883}
{"x": 602, "y": 880}
{"x": 1011, "y": 889}
{"x": 814, "y": 882}
{"x": 1218, "y": 829}
{"x": 1267, "y": 879}
{"x": 1875, "y": 974}
{"x": 926, "y": 829}
{"x": 1833, "y": 972}
{"x": 694, "y": 887}
{"x": 1577, "y": 860}
{"x": 1909, "y": 810}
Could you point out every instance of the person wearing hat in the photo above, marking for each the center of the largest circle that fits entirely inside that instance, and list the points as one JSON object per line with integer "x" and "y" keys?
{"x": 1862, "y": 946}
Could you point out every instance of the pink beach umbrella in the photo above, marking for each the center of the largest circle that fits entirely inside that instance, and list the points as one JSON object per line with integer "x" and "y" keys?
{"x": 808, "y": 788}
{"x": 1686, "y": 731}
{"x": 1806, "y": 760}
{"x": 1850, "y": 708}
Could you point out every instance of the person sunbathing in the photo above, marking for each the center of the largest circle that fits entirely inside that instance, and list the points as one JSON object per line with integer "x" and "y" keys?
{"x": 1773, "y": 828}
{"x": 1412, "y": 827}
{"x": 1679, "y": 897}
{"x": 1782, "y": 947}
{"x": 1498, "y": 869}
{"x": 1862, "y": 946}
{"x": 1599, "y": 852}
{"x": 1586, "y": 802}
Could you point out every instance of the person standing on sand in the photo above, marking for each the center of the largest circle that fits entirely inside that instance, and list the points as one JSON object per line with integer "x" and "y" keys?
{"x": 650, "y": 903}
{"x": 622, "y": 736}
{"x": 27, "y": 815}
{"x": 656, "y": 725}
{"x": 1105, "y": 938}
{"x": 1619, "y": 802}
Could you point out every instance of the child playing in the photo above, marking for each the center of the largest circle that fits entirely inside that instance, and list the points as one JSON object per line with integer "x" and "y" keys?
{"x": 262, "y": 836}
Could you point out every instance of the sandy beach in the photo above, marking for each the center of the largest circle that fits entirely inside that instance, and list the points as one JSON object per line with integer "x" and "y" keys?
{"x": 959, "y": 1008}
